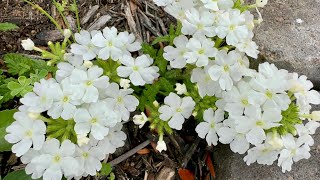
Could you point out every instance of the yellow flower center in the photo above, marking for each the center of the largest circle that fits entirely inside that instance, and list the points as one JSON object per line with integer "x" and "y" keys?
{"x": 226, "y": 68}
{"x": 65, "y": 99}
{"x": 201, "y": 51}
{"x": 179, "y": 110}
{"x": 85, "y": 155}
{"x": 245, "y": 102}
{"x": 269, "y": 94}
{"x": 28, "y": 133}
{"x": 94, "y": 120}
{"x": 57, "y": 158}
{"x": 89, "y": 83}
{"x": 260, "y": 123}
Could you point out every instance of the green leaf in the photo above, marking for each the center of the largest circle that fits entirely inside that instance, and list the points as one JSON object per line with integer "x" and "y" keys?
{"x": 161, "y": 62}
{"x": 148, "y": 49}
{"x": 7, "y": 26}
{"x": 6, "y": 118}
{"x": 21, "y": 87}
{"x": 21, "y": 65}
{"x": 106, "y": 169}
{"x": 18, "y": 175}
{"x": 1, "y": 97}
{"x": 161, "y": 39}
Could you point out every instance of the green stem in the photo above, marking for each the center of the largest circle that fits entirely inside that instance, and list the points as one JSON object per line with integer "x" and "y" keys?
{"x": 63, "y": 18}
{"x": 46, "y": 14}
{"x": 77, "y": 15}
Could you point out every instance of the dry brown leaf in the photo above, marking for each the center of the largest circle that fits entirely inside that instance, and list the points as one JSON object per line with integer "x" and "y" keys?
{"x": 185, "y": 174}
{"x": 143, "y": 151}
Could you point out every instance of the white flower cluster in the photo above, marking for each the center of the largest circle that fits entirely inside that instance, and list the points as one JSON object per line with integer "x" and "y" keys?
{"x": 204, "y": 19}
{"x": 255, "y": 105}
{"x": 255, "y": 102}
{"x": 93, "y": 108}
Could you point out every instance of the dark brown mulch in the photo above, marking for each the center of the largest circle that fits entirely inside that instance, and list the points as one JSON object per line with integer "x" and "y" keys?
{"x": 146, "y": 21}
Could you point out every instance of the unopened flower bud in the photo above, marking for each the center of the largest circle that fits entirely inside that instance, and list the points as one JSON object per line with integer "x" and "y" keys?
{"x": 181, "y": 88}
{"x": 140, "y": 120}
{"x": 275, "y": 141}
{"x": 261, "y": 3}
{"x": 67, "y": 33}
{"x": 161, "y": 145}
{"x": 315, "y": 115}
{"x": 155, "y": 103}
{"x": 27, "y": 44}
{"x": 87, "y": 64}
{"x": 125, "y": 83}
{"x": 82, "y": 139}
{"x": 195, "y": 113}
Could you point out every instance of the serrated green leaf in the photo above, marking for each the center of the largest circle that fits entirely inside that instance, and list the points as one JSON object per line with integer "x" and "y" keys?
{"x": 6, "y": 118}
{"x": 7, "y": 26}
{"x": 21, "y": 65}
{"x": 18, "y": 175}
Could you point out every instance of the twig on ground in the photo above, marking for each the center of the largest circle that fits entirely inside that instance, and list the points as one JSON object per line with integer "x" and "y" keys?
{"x": 129, "y": 153}
{"x": 92, "y": 11}
{"x": 190, "y": 152}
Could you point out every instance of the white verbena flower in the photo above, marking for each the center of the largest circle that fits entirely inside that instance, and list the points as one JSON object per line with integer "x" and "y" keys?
{"x": 66, "y": 103}
{"x": 307, "y": 130}
{"x": 228, "y": 135}
{"x": 121, "y": 100}
{"x": 262, "y": 153}
{"x": 24, "y": 133}
{"x": 206, "y": 86}
{"x": 176, "y": 110}
{"x": 209, "y": 128}
{"x": 54, "y": 161}
{"x": 217, "y": 5}
{"x": 232, "y": 26}
{"x": 111, "y": 46}
{"x": 294, "y": 150}
{"x": 198, "y": 23}
{"x": 199, "y": 51}
{"x": 237, "y": 99}
{"x": 27, "y": 44}
{"x": 89, "y": 82}
{"x": 89, "y": 157}
{"x": 140, "y": 120}
{"x": 113, "y": 140}
{"x": 129, "y": 43}
{"x": 139, "y": 70}
{"x": 84, "y": 46}
{"x": 225, "y": 69}
{"x": 176, "y": 54}
{"x": 42, "y": 97}
{"x": 255, "y": 122}
{"x": 97, "y": 120}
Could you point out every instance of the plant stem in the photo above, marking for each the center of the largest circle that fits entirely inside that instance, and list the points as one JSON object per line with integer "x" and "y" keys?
{"x": 46, "y": 14}
{"x": 77, "y": 15}
{"x": 63, "y": 18}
